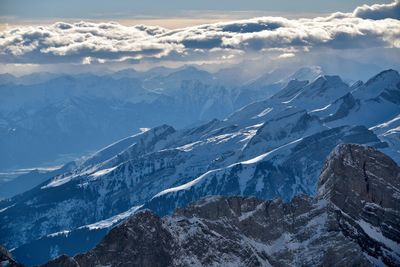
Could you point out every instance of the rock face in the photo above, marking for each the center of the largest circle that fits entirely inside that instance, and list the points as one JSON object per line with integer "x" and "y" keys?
{"x": 353, "y": 221}
{"x": 6, "y": 259}
{"x": 364, "y": 185}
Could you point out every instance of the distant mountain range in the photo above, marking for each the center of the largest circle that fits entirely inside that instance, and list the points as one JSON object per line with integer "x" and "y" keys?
{"x": 58, "y": 115}
{"x": 273, "y": 148}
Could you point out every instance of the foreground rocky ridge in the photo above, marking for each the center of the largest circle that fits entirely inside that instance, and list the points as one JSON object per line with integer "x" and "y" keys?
{"x": 353, "y": 221}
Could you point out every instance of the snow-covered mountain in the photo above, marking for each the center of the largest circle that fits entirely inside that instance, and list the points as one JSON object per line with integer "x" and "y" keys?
{"x": 267, "y": 149}
{"x": 352, "y": 221}
{"x": 368, "y": 104}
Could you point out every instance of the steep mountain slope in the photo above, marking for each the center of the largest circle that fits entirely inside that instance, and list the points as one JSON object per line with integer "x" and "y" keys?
{"x": 283, "y": 172}
{"x": 73, "y": 206}
{"x": 322, "y": 91}
{"x": 353, "y": 221}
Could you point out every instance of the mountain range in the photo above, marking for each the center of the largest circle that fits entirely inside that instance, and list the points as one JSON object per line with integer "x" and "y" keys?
{"x": 352, "y": 221}
{"x": 273, "y": 148}
{"x": 62, "y": 116}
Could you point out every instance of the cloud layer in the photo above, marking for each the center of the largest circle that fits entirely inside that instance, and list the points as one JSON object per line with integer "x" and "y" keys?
{"x": 379, "y": 11}
{"x": 85, "y": 42}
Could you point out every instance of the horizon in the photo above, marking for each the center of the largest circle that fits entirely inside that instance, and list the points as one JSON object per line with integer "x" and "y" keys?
{"x": 20, "y": 10}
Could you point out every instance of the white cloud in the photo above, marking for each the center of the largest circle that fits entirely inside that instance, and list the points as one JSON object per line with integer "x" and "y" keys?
{"x": 379, "y": 11}
{"x": 286, "y": 55}
{"x": 88, "y": 43}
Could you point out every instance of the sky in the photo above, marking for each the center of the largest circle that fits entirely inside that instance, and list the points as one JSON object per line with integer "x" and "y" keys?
{"x": 51, "y": 34}
{"x": 162, "y": 12}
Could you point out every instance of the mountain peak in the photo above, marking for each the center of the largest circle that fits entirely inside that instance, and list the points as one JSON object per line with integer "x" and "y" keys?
{"x": 332, "y": 79}
{"x": 324, "y": 82}
{"x": 385, "y": 84}
{"x": 323, "y": 91}
{"x": 163, "y": 127}
{"x": 350, "y": 177}
{"x": 189, "y": 70}
{"x": 308, "y": 73}
{"x": 386, "y": 75}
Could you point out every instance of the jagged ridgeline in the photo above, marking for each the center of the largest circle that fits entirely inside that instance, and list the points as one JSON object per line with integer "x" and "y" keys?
{"x": 274, "y": 148}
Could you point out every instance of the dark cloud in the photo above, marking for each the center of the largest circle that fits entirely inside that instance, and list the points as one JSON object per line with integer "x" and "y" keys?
{"x": 250, "y": 27}
{"x": 202, "y": 43}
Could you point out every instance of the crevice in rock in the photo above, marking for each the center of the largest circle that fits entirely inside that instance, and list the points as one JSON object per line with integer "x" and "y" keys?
{"x": 365, "y": 176}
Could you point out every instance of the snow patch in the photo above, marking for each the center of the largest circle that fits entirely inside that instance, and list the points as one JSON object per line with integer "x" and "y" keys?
{"x": 59, "y": 181}
{"x": 6, "y": 208}
{"x": 113, "y": 220}
{"x": 103, "y": 172}
{"x": 263, "y": 156}
{"x": 143, "y": 130}
{"x": 185, "y": 186}
{"x": 377, "y": 235}
{"x": 321, "y": 109}
{"x": 264, "y": 112}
